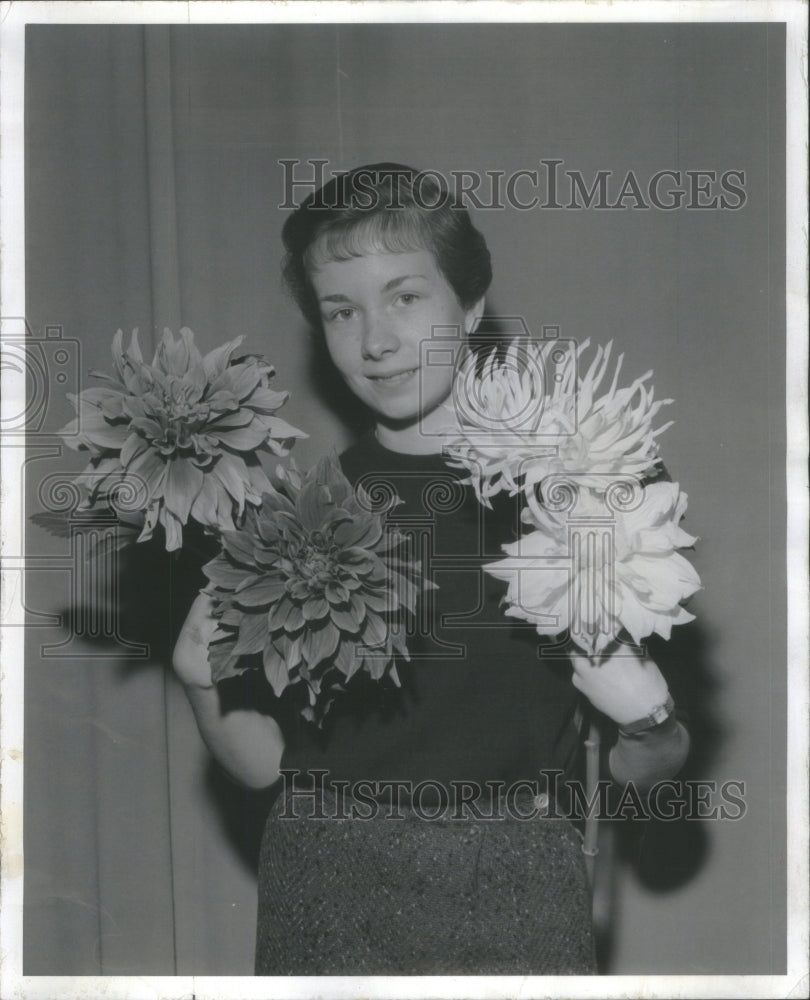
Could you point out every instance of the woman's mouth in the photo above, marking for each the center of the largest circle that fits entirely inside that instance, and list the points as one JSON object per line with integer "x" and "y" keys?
{"x": 396, "y": 378}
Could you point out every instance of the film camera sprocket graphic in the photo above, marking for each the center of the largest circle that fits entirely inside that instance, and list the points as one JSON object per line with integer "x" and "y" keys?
{"x": 37, "y": 372}
{"x": 42, "y": 365}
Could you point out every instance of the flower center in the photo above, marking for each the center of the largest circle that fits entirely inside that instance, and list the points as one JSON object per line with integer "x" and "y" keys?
{"x": 316, "y": 560}
{"x": 182, "y": 414}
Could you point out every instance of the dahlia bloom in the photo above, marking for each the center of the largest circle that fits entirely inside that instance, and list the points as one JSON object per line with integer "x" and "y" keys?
{"x": 592, "y": 583}
{"x": 316, "y": 583}
{"x": 529, "y": 414}
{"x": 183, "y": 432}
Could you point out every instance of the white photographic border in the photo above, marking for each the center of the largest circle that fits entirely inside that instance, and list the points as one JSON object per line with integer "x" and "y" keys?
{"x": 13, "y": 18}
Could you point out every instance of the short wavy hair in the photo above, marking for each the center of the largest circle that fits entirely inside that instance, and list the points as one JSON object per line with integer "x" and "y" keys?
{"x": 385, "y": 207}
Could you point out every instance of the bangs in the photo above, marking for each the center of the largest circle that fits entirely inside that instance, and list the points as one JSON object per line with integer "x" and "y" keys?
{"x": 402, "y": 231}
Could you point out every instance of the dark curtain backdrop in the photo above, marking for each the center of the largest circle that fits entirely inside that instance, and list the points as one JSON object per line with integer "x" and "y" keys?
{"x": 152, "y": 201}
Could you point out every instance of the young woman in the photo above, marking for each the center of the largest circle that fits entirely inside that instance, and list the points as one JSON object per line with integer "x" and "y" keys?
{"x": 391, "y": 850}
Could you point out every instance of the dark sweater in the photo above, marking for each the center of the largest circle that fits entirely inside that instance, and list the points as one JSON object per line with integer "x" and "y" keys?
{"x": 477, "y": 702}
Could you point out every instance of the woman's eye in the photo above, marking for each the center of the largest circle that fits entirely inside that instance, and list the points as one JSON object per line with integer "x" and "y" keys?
{"x": 341, "y": 315}
{"x": 407, "y": 298}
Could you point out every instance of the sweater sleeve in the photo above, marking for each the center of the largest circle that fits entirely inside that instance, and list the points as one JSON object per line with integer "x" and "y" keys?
{"x": 651, "y": 755}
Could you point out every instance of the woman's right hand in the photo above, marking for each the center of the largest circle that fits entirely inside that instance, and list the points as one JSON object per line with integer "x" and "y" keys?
{"x": 247, "y": 743}
{"x": 190, "y": 657}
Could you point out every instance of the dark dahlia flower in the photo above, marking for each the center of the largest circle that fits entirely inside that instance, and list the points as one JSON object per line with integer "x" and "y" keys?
{"x": 184, "y": 432}
{"x": 317, "y": 583}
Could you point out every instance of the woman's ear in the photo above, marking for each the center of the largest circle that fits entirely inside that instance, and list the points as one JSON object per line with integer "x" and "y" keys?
{"x": 473, "y": 315}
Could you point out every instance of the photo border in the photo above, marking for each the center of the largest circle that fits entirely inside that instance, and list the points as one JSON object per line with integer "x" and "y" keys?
{"x": 13, "y": 18}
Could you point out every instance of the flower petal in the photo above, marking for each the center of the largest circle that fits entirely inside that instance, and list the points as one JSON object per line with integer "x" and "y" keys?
{"x": 246, "y": 438}
{"x": 183, "y": 482}
{"x": 260, "y": 594}
{"x": 375, "y": 630}
{"x": 149, "y": 470}
{"x": 345, "y": 620}
{"x": 275, "y": 668}
{"x": 216, "y": 361}
{"x": 322, "y": 643}
{"x": 252, "y": 635}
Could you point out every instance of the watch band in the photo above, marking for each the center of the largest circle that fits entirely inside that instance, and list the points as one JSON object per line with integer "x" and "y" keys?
{"x": 657, "y": 717}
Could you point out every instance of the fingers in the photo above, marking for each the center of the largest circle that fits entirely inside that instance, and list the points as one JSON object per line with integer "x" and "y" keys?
{"x": 190, "y": 655}
{"x": 584, "y": 664}
{"x": 200, "y": 624}
{"x": 203, "y": 605}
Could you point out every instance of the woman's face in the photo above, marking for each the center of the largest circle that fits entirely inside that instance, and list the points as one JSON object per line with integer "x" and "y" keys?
{"x": 377, "y": 311}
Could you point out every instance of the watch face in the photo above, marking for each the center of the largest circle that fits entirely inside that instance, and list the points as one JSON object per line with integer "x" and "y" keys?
{"x": 657, "y": 716}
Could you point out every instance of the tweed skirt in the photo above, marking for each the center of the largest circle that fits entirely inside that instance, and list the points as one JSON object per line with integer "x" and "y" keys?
{"x": 422, "y": 897}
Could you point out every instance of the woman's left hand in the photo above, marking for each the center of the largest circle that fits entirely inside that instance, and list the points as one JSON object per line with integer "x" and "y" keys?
{"x": 622, "y": 685}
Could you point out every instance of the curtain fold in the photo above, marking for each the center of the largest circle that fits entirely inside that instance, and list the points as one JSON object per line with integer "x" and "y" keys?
{"x": 161, "y": 180}
{"x": 130, "y": 865}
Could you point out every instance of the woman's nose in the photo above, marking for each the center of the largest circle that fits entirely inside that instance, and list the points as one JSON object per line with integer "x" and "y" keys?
{"x": 379, "y": 337}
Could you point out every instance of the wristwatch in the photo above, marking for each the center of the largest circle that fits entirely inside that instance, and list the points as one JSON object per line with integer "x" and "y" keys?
{"x": 657, "y": 717}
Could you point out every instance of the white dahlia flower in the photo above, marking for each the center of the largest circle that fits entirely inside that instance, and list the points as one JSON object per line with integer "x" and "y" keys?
{"x": 528, "y": 414}
{"x": 592, "y": 581}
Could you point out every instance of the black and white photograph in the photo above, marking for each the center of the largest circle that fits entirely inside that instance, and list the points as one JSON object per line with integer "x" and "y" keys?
{"x": 404, "y": 448}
